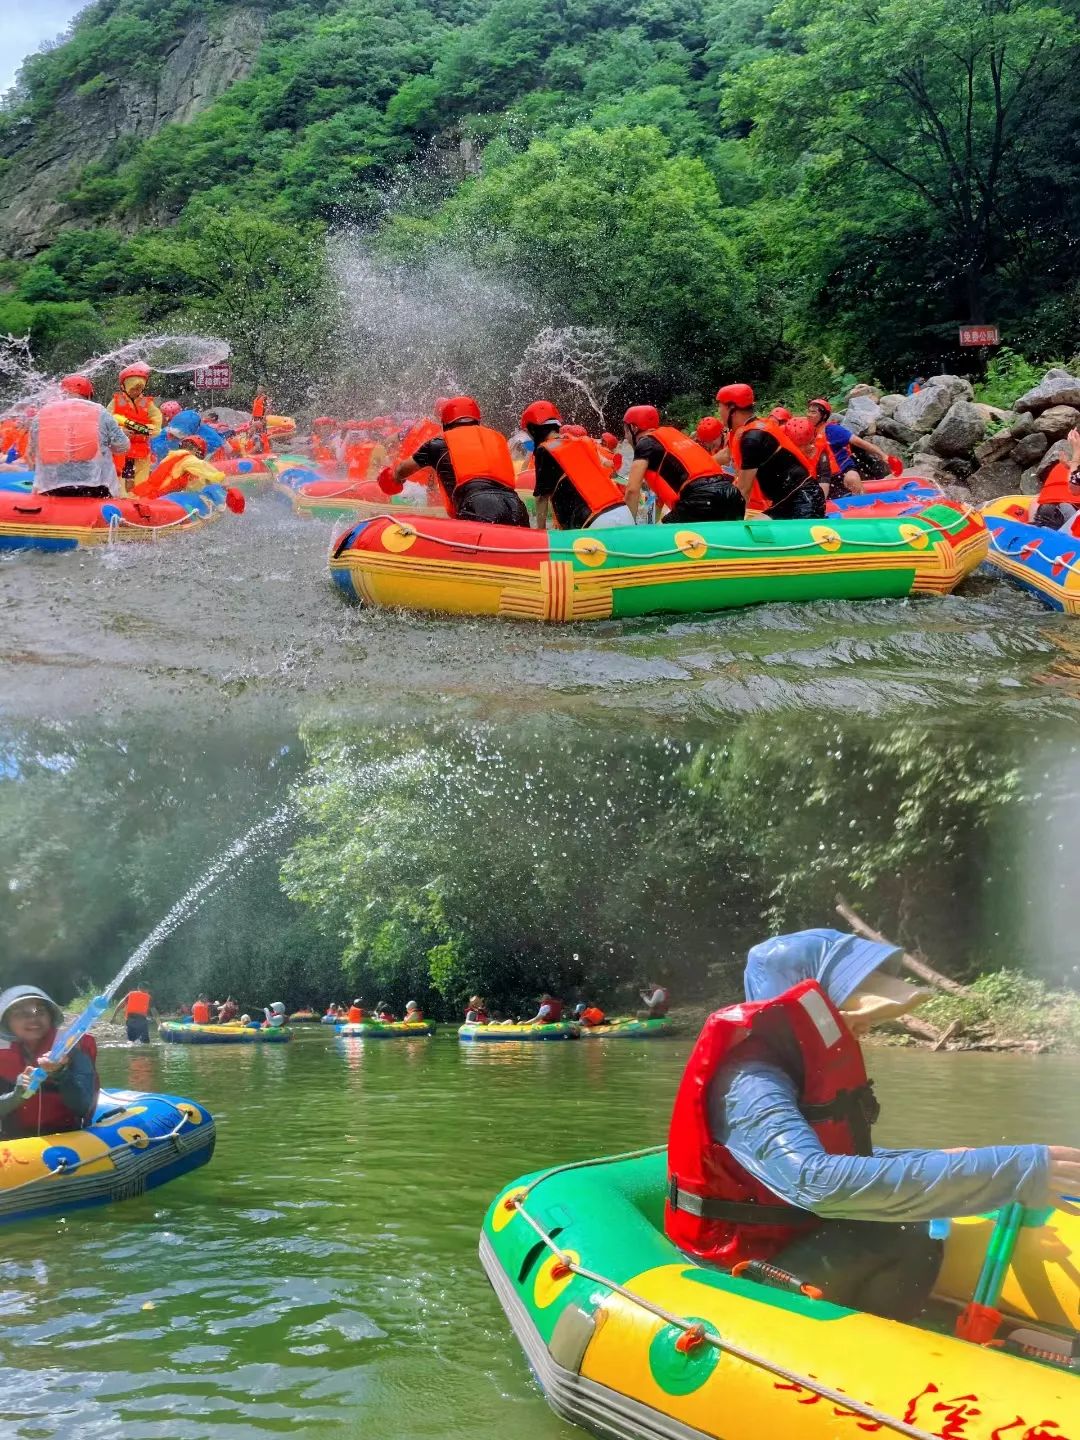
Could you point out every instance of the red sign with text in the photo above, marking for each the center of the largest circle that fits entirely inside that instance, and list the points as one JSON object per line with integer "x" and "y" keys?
{"x": 979, "y": 335}
{"x": 216, "y": 377}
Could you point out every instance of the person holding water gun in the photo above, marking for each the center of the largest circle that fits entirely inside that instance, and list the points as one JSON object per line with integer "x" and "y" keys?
{"x": 29, "y": 1021}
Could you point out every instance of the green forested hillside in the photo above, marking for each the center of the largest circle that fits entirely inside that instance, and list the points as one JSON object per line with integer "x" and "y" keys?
{"x": 728, "y": 185}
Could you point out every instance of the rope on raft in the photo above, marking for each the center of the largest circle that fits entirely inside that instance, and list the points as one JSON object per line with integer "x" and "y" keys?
{"x": 1071, "y": 566}
{"x": 598, "y": 548}
{"x": 691, "y": 1328}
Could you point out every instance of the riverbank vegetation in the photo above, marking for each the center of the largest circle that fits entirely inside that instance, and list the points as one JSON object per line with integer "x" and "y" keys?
{"x": 749, "y": 188}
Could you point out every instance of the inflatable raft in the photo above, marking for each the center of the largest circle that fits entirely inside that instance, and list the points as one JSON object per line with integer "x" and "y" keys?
{"x": 1046, "y": 562}
{"x": 136, "y": 1143}
{"x": 628, "y": 1027}
{"x": 304, "y": 1017}
{"x": 234, "y": 1034}
{"x": 501, "y": 1031}
{"x": 467, "y": 568}
{"x": 45, "y": 522}
{"x": 382, "y": 1030}
{"x": 909, "y": 497}
{"x": 681, "y": 1351}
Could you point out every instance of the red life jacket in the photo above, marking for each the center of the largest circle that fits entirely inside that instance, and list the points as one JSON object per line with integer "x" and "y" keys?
{"x": 661, "y": 1008}
{"x": 258, "y": 407}
{"x": 579, "y": 460}
{"x": 592, "y": 1016}
{"x": 711, "y": 1198}
{"x": 481, "y": 1017}
{"x": 417, "y": 435}
{"x": 556, "y": 1008}
{"x": 1055, "y": 489}
{"x": 138, "y": 1003}
{"x": 44, "y": 1113}
{"x": 166, "y": 477}
{"x": 784, "y": 440}
{"x": 476, "y": 453}
{"x": 355, "y": 1015}
{"x": 822, "y": 447}
{"x": 68, "y": 430}
{"x": 694, "y": 458}
{"x": 139, "y": 411}
{"x": 200, "y": 1013}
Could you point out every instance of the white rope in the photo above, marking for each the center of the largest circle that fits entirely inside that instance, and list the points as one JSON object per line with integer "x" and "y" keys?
{"x": 705, "y": 1335}
{"x": 1071, "y": 566}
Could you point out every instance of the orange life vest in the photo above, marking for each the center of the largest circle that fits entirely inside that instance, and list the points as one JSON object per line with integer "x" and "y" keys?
{"x": 258, "y": 407}
{"x": 68, "y": 430}
{"x": 417, "y": 435}
{"x": 578, "y": 458}
{"x": 758, "y": 499}
{"x": 822, "y": 447}
{"x": 1056, "y": 489}
{"x": 355, "y": 1015}
{"x": 139, "y": 411}
{"x": 592, "y": 1016}
{"x": 710, "y": 1211}
{"x": 695, "y": 459}
{"x": 166, "y": 477}
{"x": 200, "y": 1013}
{"x": 358, "y": 455}
{"x": 138, "y": 1003}
{"x": 476, "y": 453}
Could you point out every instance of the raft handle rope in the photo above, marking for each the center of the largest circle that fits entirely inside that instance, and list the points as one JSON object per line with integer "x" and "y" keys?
{"x": 1071, "y": 567}
{"x": 693, "y": 1332}
{"x": 553, "y": 551}
{"x": 188, "y": 516}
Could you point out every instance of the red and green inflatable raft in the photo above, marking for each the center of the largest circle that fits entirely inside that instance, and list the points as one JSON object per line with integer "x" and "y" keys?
{"x": 462, "y": 567}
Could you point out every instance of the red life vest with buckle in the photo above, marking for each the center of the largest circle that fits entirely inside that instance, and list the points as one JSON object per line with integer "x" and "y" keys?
{"x": 1056, "y": 489}
{"x": 578, "y": 458}
{"x": 44, "y": 1113}
{"x": 716, "y": 1210}
{"x": 784, "y": 440}
{"x": 476, "y": 453}
{"x": 694, "y": 458}
{"x": 68, "y": 430}
{"x": 138, "y": 411}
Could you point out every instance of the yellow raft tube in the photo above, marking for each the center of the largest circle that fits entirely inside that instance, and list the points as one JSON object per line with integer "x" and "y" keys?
{"x": 629, "y": 1337}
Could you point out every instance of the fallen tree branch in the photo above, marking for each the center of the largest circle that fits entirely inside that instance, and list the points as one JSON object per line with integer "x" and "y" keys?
{"x": 917, "y": 964}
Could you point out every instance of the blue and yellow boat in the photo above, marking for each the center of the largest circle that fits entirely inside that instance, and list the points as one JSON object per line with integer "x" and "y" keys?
{"x": 1044, "y": 562}
{"x": 510, "y": 1032}
{"x": 186, "y": 1033}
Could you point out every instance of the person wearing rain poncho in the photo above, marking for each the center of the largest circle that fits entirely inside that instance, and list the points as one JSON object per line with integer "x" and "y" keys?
{"x": 276, "y": 1016}
{"x": 770, "y": 1155}
{"x": 29, "y": 1020}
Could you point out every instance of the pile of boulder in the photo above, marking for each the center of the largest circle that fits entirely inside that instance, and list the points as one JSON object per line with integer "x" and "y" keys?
{"x": 976, "y": 452}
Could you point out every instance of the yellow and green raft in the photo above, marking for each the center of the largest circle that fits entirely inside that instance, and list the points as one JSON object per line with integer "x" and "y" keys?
{"x": 384, "y": 1030}
{"x": 628, "y": 1027}
{"x": 508, "y": 1031}
{"x": 174, "y": 1033}
{"x": 651, "y": 1344}
{"x": 463, "y": 567}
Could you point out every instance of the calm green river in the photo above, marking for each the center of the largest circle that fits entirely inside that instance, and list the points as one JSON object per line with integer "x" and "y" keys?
{"x": 319, "y": 1276}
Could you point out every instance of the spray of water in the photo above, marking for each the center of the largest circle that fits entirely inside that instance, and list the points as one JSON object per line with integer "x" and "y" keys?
{"x": 23, "y": 384}
{"x": 572, "y": 363}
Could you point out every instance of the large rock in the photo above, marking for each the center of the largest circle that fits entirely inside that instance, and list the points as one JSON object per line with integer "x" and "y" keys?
{"x": 1022, "y": 426}
{"x": 1060, "y": 450}
{"x": 956, "y": 385}
{"x": 930, "y": 467}
{"x": 1000, "y": 477}
{"x": 1030, "y": 450}
{"x": 923, "y": 411}
{"x": 862, "y": 414}
{"x": 996, "y": 448}
{"x": 857, "y": 391}
{"x": 1030, "y": 484}
{"x": 1056, "y": 422}
{"x": 959, "y": 431}
{"x": 893, "y": 430}
{"x": 1057, "y": 387}
{"x": 890, "y": 403}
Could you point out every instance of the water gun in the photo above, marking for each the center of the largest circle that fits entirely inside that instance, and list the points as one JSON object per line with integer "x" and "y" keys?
{"x": 66, "y": 1041}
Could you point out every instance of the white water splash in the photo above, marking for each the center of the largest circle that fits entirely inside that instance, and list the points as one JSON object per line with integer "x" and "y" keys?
{"x": 572, "y": 363}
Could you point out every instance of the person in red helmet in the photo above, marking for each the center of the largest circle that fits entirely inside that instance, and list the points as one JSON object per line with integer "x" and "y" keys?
{"x": 139, "y": 418}
{"x": 682, "y": 474}
{"x": 710, "y": 435}
{"x": 764, "y": 455}
{"x": 73, "y": 444}
{"x": 571, "y": 477}
{"x": 472, "y": 465}
{"x": 838, "y": 469}
{"x": 780, "y": 413}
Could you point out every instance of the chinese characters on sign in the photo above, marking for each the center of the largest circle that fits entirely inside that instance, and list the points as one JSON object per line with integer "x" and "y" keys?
{"x": 979, "y": 335}
{"x": 214, "y": 377}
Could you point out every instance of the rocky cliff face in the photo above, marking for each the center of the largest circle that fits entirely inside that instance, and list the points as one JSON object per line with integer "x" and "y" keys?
{"x": 43, "y": 164}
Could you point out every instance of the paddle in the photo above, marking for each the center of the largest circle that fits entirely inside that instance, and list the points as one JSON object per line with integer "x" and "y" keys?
{"x": 980, "y": 1318}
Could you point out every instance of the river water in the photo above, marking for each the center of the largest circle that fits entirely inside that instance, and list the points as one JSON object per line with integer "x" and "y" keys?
{"x": 319, "y": 1277}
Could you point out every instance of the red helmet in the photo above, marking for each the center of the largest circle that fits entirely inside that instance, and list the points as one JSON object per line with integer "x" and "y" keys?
{"x": 642, "y": 417}
{"x": 799, "y": 429}
{"x": 540, "y": 412}
{"x": 739, "y": 395}
{"x": 609, "y": 440}
{"x": 780, "y": 414}
{"x": 708, "y": 430}
{"x": 822, "y": 405}
{"x": 461, "y": 407}
{"x": 80, "y": 385}
{"x": 577, "y": 432}
{"x": 138, "y": 371}
{"x": 169, "y": 408}
{"x": 196, "y": 443}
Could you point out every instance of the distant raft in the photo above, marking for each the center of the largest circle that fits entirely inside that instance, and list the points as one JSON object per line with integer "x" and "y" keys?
{"x": 459, "y": 567}
{"x": 174, "y": 1033}
{"x": 135, "y": 1143}
{"x": 384, "y": 1030}
{"x": 502, "y": 1032}
{"x": 1045, "y": 562}
{"x": 628, "y": 1027}
{"x": 52, "y": 522}
{"x": 304, "y": 1017}
{"x": 898, "y": 498}
{"x": 320, "y": 496}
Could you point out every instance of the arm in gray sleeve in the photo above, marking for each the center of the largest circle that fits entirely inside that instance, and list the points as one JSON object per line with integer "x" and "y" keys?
{"x": 77, "y": 1083}
{"x": 112, "y": 436}
{"x": 11, "y": 1101}
{"x": 753, "y": 1110}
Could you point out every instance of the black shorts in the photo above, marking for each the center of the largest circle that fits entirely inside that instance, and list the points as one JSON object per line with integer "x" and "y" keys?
{"x": 707, "y": 500}
{"x": 805, "y": 503}
{"x": 81, "y": 492}
{"x": 493, "y": 504}
{"x": 138, "y": 1029}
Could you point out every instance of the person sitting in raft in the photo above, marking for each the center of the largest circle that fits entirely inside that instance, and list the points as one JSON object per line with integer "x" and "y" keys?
{"x": 1059, "y": 499}
{"x": 276, "y": 1015}
{"x": 550, "y": 1012}
{"x": 413, "y": 1014}
{"x": 472, "y": 465}
{"x": 29, "y": 1020}
{"x": 766, "y": 458}
{"x": 572, "y": 480}
{"x": 656, "y": 1001}
{"x": 384, "y": 1013}
{"x": 228, "y": 1011}
{"x": 836, "y": 463}
{"x": 355, "y": 1013}
{"x": 138, "y": 1011}
{"x": 590, "y": 1015}
{"x": 74, "y": 445}
{"x": 477, "y": 1013}
{"x": 770, "y": 1155}
{"x": 185, "y": 466}
{"x": 200, "y": 1011}
{"x": 682, "y": 474}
